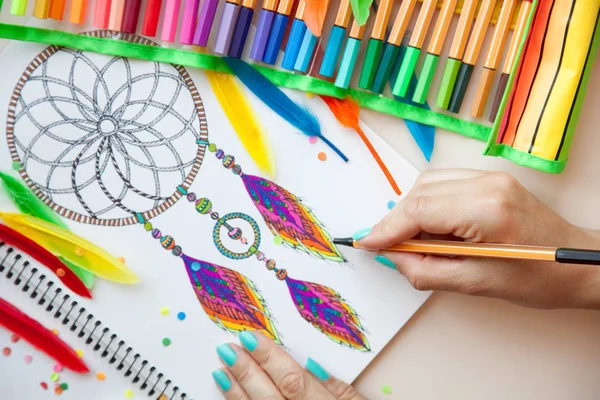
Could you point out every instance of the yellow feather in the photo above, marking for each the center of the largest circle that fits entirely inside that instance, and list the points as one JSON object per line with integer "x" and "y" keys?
{"x": 71, "y": 247}
{"x": 243, "y": 119}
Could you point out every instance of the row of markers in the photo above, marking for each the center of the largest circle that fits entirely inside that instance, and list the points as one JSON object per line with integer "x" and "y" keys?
{"x": 381, "y": 53}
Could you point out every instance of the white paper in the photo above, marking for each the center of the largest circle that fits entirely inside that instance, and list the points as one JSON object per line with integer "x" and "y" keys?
{"x": 345, "y": 197}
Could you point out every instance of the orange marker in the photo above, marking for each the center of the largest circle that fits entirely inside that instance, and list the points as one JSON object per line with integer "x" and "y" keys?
{"x": 41, "y": 9}
{"x": 78, "y": 8}
{"x": 57, "y": 9}
{"x": 493, "y": 58}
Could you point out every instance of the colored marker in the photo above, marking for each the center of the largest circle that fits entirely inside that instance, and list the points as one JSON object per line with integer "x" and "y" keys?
{"x": 392, "y": 47}
{"x": 231, "y": 11}
{"x": 115, "y": 20}
{"x": 57, "y": 9}
{"x": 277, "y": 31}
{"x": 493, "y": 58}
{"x": 171, "y": 17}
{"x": 241, "y": 30}
{"x": 434, "y": 50}
{"x": 188, "y": 21}
{"x": 18, "y": 7}
{"x": 375, "y": 46}
{"x": 265, "y": 21}
{"x": 205, "y": 21}
{"x": 151, "y": 15}
{"x": 131, "y": 15}
{"x": 41, "y": 9}
{"x": 349, "y": 57}
{"x": 336, "y": 39}
{"x": 511, "y": 56}
{"x": 456, "y": 53}
{"x": 295, "y": 39}
{"x": 102, "y": 13}
{"x": 307, "y": 48}
{"x": 77, "y": 14}
{"x": 471, "y": 54}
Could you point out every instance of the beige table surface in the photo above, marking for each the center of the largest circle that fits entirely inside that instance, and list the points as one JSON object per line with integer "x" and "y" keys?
{"x": 457, "y": 347}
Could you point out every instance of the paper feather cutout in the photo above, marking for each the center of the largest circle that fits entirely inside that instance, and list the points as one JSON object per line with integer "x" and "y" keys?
{"x": 29, "y": 203}
{"x": 229, "y": 298}
{"x": 70, "y": 246}
{"x": 315, "y": 12}
{"x": 242, "y": 117}
{"x": 287, "y": 217}
{"x": 299, "y": 116}
{"x": 361, "y": 10}
{"x": 346, "y": 111}
{"x": 325, "y": 309}
{"x": 44, "y": 257}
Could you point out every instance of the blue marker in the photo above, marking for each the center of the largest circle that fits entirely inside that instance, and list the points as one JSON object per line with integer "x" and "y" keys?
{"x": 295, "y": 40}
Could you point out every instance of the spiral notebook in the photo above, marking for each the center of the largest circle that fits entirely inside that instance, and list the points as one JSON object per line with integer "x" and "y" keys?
{"x": 165, "y": 243}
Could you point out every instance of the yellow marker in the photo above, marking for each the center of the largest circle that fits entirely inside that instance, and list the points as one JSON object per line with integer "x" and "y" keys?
{"x": 41, "y": 9}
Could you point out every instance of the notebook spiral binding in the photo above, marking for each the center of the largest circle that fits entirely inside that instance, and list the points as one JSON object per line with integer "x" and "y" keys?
{"x": 97, "y": 336}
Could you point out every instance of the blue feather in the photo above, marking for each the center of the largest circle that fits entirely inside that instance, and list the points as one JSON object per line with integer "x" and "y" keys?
{"x": 423, "y": 134}
{"x": 300, "y": 117}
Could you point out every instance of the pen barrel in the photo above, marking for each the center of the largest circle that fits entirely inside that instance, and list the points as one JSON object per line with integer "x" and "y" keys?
{"x": 576, "y": 256}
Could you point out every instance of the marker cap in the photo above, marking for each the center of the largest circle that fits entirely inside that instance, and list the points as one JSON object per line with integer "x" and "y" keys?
{"x": 406, "y": 71}
{"x": 369, "y": 68}
{"x": 332, "y": 52}
{"x": 427, "y": 73}
{"x": 293, "y": 45}
{"x": 275, "y": 39}
{"x": 390, "y": 52}
{"x": 448, "y": 82}
{"x": 347, "y": 64}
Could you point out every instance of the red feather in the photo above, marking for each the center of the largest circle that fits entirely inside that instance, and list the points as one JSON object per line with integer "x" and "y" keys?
{"x": 37, "y": 252}
{"x": 41, "y": 338}
{"x": 346, "y": 112}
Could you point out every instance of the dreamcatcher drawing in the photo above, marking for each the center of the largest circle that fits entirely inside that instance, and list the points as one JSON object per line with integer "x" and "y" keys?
{"x": 132, "y": 136}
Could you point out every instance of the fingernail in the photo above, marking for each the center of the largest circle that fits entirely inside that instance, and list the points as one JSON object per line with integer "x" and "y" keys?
{"x": 316, "y": 369}
{"x": 222, "y": 380}
{"x": 385, "y": 261}
{"x": 248, "y": 340}
{"x": 227, "y": 354}
{"x": 361, "y": 233}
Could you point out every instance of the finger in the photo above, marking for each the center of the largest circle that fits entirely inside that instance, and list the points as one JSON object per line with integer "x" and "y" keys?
{"x": 248, "y": 374}
{"x": 340, "y": 390}
{"x": 438, "y": 175}
{"x": 228, "y": 386}
{"x": 290, "y": 378}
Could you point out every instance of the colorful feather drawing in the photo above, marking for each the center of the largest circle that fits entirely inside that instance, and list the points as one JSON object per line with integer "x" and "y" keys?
{"x": 315, "y": 12}
{"x": 242, "y": 117}
{"x": 325, "y": 309}
{"x": 287, "y": 217}
{"x": 229, "y": 298}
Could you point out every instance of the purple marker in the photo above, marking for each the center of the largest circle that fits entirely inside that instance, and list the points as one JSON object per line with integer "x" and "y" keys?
{"x": 265, "y": 21}
{"x": 229, "y": 19}
{"x": 190, "y": 10}
{"x": 205, "y": 22}
{"x": 238, "y": 42}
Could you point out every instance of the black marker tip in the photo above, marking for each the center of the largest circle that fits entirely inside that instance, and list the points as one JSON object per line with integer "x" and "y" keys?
{"x": 344, "y": 241}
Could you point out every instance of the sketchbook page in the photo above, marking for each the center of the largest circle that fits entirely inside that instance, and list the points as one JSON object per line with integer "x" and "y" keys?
{"x": 59, "y": 131}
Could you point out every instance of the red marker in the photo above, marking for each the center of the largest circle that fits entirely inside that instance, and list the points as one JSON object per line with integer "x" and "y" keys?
{"x": 41, "y": 338}
{"x": 151, "y": 16}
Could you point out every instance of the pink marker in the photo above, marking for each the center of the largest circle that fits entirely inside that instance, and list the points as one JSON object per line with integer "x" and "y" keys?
{"x": 101, "y": 14}
{"x": 169, "y": 28}
{"x": 190, "y": 11}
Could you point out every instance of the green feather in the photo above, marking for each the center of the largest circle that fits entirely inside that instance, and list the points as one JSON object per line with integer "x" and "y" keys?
{"x": 361, "y": 9}
{"x": 29, "y": 204}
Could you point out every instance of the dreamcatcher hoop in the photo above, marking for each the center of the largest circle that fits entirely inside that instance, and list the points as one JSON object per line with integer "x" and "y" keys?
{"x": 166, "y": 203}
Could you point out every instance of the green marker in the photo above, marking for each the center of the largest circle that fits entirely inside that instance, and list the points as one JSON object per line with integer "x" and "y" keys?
{"x": 375, "y": 46}
{"x": 18, "y": 7}
{"x": 448, "y": 82}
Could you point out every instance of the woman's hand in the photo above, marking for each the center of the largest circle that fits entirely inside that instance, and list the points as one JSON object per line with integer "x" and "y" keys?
{"x": 479, "y": 206}
{"x": 263, "y": 370}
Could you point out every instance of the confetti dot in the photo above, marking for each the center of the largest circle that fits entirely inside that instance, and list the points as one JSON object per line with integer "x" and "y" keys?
{"x": 166, "y": 342}
{"x": 391, "y": 204}
{"x": 58, "y": 391}
{"x": 181, "y": 316}
{"x": 79, "y": 251}
{"x": 312, "y": 139}
{"x": 129, "y": 394}
{"x": 55, "y": 331}
{"x": 60, "y": 272}
{"x": 79, "y": 353}
{"x": 386, "y": 389}
{"x": 6, "y": 351}
{"x": 121, "y": 260}
{"x": 277, "y": 240}
{"x": 322, "y": 156}
{"x": 165, "y": 310}
{"x": 64, "y": 386}
{"x": 28, "y": 359}
{"x": 44, "y": 385}
{"x": 57, "y": 368}
{"x": 101, "y": 376}
{"x": 54, "y": 377}
{"x": 14, "y": 338}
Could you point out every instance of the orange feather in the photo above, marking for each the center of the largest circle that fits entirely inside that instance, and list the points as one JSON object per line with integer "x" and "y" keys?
{"x": 315, "y": 12}
{"x": 346, "y": 112}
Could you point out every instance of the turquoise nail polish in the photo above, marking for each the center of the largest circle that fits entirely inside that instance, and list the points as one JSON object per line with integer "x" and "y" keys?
{"x": 227, "y": 354}
{"x": 385, "y": 261}
{"x": 249, "y": 340}
{"x": 222, "y": 380}
{"x": 316, "y": 369}
{"x": 361, "y": 234}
